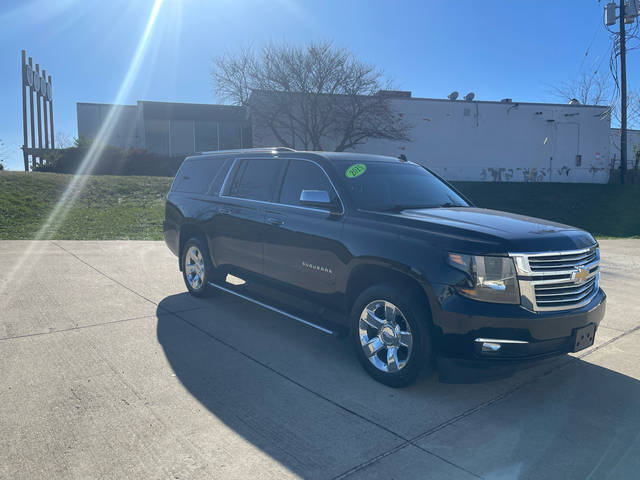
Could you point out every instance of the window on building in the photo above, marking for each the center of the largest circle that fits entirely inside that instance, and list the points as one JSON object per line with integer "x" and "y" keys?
{"x": 206, "y": 136}
{"x": 157, "y": 136}
{"x": 230, "y": 135}
{"x": 302, "y": 175}
{"x": 181, "y": 137}
{"x": 246, "y": 136}
{"x": 256, "y": 179}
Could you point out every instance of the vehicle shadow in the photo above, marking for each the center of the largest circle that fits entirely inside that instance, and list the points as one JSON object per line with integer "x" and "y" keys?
{"x": 300, "y": 397}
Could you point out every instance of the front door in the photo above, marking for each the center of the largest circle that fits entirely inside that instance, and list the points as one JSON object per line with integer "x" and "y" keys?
{"x": 302, "y": 247}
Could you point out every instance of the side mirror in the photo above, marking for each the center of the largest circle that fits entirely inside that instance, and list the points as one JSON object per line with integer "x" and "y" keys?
{"x": 317, "y": 199}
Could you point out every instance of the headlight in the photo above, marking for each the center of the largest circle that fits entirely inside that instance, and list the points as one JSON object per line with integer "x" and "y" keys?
{"x": 489, "y": 279}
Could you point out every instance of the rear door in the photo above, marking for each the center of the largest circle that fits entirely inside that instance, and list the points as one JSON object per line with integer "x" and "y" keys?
{"x": 303, "y": 249}
{"x": 191, "y": 201}
{"x": 237, "y": 243}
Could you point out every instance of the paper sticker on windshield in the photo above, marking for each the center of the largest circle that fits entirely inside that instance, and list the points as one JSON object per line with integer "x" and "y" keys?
{"x": 355, "y": 170}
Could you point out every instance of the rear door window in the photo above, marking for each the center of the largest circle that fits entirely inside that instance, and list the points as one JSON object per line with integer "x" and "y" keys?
{"x": 195, "y": 176}
{"x": 218, "y": 179}
{"x": 302, "y": 175}
{"x": 256, "y": 179}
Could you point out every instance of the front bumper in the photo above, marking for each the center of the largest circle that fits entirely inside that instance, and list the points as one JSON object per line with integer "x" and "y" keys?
{"x": 463, "y": 326}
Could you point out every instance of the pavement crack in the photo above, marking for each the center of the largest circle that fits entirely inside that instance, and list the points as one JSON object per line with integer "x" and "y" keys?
{"x": 77, "y": 327}
{"x": 371, "y": 461}
{"x": 103, "y": 274}
{"x": 609, "y": 342}
{"x": 446, "y": 461}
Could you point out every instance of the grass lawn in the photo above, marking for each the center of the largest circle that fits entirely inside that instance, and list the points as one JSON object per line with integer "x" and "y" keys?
{"x": 107, "y": 208}
{"x": 110, "y": 207}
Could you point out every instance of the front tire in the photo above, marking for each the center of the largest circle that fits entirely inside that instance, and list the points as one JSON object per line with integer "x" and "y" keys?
{"x": 391, "y": 334}
{"x": 196, "y": 267}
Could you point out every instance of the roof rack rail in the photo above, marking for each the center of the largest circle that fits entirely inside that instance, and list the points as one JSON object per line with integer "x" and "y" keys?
{"x": 282, "y": 149}
{"x": 248, "y": 150}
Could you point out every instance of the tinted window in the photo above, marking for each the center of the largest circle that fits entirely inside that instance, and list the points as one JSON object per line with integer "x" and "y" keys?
{"x": 256, "y": 179}
{"x": 300, "y": 176}
{"x": 218, "y": 180}
{"x": 385, "y": 186}
{"x": 195, "y": 176}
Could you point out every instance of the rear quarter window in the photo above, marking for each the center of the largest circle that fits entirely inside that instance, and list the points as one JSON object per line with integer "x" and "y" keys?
{"x": 197, "y": 176}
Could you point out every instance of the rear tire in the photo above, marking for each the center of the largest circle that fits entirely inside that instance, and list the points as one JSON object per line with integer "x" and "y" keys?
{"x": 196, "y": 267}
{"x": 390, "y": 331}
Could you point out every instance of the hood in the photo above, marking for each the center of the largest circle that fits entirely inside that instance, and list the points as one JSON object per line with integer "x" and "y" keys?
{"x": 506, "y": 231}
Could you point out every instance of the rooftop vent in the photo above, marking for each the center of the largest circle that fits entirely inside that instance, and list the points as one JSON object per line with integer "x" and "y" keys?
{"x": 507, "y": 100}
{"x": 395, "y": 93}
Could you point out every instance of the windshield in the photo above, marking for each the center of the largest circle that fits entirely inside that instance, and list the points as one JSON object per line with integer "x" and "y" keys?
{"x": 382, "y": 186}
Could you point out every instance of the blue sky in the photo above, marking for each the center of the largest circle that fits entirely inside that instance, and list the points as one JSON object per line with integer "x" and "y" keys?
{"x": 494, "y": 48}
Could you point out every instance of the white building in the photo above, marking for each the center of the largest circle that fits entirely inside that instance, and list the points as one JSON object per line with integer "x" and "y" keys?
{"x": 460, "y": 140}
{"x": 496, "y": 141}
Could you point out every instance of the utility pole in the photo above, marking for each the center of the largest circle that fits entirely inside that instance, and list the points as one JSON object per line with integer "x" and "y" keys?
{"x": 628, "y": 13}
{"x": 623, "y": 96}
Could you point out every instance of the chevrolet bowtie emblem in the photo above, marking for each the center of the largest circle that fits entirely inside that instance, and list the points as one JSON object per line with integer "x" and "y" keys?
{"x": 580, "y": 275}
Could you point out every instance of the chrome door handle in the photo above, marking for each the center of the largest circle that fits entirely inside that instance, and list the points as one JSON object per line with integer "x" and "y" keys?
{"x": 224, "y": 211}
{"x": 275, "y": 221}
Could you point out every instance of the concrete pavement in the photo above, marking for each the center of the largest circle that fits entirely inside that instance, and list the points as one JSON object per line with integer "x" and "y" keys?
{"x": 109, "y": 370}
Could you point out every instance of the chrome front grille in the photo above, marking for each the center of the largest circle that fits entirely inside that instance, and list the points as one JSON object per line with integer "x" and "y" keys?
{"x": 558, "y": 280}
{"x": 564, "y": 294}
{"x": 545, "y": 263}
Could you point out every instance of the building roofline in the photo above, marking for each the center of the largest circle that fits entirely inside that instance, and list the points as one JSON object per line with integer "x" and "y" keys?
{"x": 404, "y": 99}
{"x": 191, "y": 104}
{"x": 461, "y": 101}
{"x": 497, "y": 102}
{"x": 106, "y": 104}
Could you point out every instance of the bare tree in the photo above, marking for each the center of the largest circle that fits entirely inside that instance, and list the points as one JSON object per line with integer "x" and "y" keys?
{"x": 312, "y": 96}
{"x": 4, "y": 154}
{"x": 590, "y": 89}
{"x": 633, "y": 111}
{"x": 599, "y": 89}
{"x": 63, "y": 140}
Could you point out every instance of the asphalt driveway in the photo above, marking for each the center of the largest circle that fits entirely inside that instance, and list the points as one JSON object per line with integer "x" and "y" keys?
{"x": 109, "y": 370}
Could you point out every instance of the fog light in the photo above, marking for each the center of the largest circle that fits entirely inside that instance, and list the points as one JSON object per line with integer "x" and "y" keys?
{"x": 488, "y": 347}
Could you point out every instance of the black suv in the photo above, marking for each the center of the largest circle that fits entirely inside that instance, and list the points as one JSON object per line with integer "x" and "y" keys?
{"x": 387, "y": 251}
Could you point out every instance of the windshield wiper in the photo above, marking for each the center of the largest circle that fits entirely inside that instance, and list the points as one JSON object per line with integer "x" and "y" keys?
{"x": 451, "y": 205}
{"x": 400, "y": 207}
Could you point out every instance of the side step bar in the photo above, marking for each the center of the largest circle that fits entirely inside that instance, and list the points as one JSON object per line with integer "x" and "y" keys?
{"x": 273, "y": 309}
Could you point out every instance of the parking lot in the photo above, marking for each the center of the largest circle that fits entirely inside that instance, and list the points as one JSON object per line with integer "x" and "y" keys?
{"x": 110, "y": 370}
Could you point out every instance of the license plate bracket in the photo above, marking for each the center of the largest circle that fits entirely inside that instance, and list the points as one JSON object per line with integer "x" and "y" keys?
{"x": 584, "y": 337}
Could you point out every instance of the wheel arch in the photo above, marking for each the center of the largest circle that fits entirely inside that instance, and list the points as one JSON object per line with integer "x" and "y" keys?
{"x": 366, "y": 275}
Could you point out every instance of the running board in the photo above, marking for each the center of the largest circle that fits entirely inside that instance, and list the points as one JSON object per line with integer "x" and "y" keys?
{"x": 273, "y": 309}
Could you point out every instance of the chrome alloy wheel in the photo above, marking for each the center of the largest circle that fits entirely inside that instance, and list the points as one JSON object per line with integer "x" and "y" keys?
{"x": 385, "y": 336}
{"x": 194, "y": 267}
